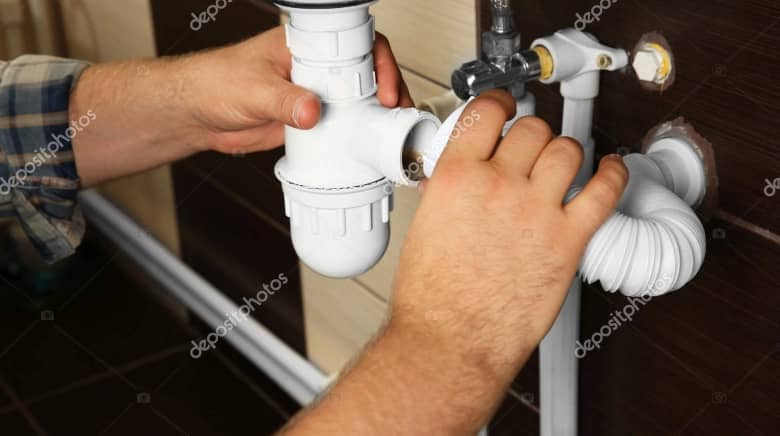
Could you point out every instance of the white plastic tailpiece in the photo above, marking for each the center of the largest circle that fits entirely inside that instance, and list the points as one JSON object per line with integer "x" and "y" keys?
{"x": 654, "y": 243}
{"x": 338, "y": 178}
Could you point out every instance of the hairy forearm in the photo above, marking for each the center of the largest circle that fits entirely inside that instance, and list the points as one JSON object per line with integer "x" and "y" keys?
{"x": 139, "y": 112}
{"x": 408, "y": 382}
{"x": 235, "y": 99}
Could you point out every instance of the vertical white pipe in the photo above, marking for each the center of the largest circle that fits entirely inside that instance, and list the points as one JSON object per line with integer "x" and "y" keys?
{"x": 558, "y": 370}
{"x": 578, "y": 124}
{"x": 558, "y": 384}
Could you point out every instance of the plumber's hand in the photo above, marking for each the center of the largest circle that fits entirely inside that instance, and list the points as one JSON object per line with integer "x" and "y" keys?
{"x": 492, "y": 250}
{"x": 237, "y": 99}
{"x": 245, "y": 96}
{"x": 483, "y": 274}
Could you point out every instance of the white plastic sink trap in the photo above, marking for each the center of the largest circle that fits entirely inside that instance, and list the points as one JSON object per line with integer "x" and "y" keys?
{"x": 338, "y": 178}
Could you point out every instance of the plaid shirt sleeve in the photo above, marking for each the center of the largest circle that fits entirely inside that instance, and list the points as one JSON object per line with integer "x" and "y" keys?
{"x": 38, "y": 176}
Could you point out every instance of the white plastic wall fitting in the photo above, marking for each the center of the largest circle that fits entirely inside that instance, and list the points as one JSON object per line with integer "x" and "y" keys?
{"x": 338, "y": 178}
{"x": 578, "y": 57}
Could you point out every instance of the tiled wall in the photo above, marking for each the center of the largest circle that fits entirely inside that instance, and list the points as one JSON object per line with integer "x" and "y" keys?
{"x": 703, "y": 360}
{"x": 706, "y": 359}
{"x": 233, "y": 230}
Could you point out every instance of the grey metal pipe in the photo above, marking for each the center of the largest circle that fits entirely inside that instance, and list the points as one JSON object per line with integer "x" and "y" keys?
{"x": 503, "y": 22}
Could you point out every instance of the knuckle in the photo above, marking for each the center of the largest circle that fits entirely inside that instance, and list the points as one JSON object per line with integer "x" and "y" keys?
{"x": 454, "y": 165}
{"x": 616, "y": 175}
{"x": 617, "y": 165}
{"x": 483, "y": 105}
{"x": 459, "y": 170}
{"x": 451, "y": 167}
{"x": 566, "y": 149}
{"x": 287, "y": 102}
{"x": 224, "y": 146}
{"x": 607, "y": 190}
{"x": 537, "y": 126}
{"x": 487, "y": 108}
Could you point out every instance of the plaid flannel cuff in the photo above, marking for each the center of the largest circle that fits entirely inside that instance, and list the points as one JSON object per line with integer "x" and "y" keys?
{"x": 38, "y": 176}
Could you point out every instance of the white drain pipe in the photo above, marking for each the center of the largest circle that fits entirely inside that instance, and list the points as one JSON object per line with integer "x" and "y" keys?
{"x": 577, "y": 60}
{"x": 338, "y": 177}
{"x": 654, "y": 243}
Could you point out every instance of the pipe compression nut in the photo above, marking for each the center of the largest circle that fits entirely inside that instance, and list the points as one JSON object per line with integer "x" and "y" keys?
{"x": 339, "y": 233}
{"x": 575, "y": 59}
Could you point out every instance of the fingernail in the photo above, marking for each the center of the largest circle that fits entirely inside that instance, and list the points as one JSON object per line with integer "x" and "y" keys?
{"x": 614, "y": 156}
{"x": 297, "y": 109}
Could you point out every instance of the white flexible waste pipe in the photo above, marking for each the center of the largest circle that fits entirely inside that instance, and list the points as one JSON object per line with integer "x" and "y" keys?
{"x": 654, "y": 243}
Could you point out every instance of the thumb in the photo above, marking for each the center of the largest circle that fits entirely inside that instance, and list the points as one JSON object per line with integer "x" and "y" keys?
{"x": 291, "y": 104}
